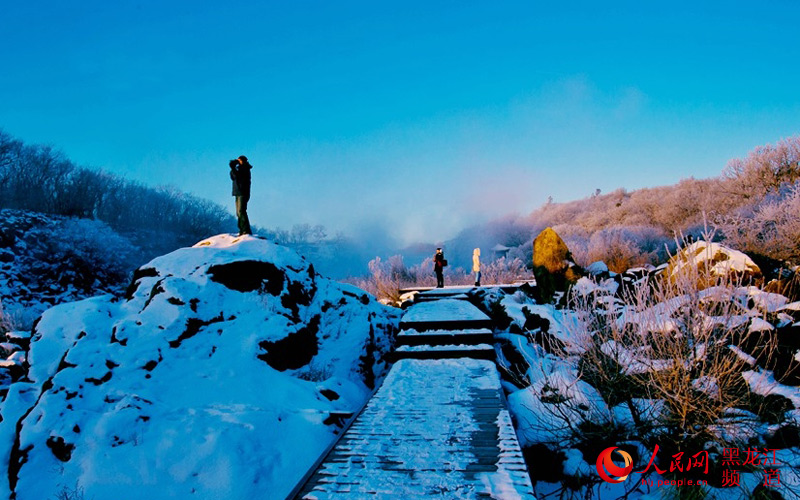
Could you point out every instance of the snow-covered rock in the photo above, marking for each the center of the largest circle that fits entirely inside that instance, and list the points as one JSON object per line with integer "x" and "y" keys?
{"x": 598, "y": 268}
{"x": 712, "y": 261}
{"x": 224, "y": 374}
{"x": 548, "y": 411}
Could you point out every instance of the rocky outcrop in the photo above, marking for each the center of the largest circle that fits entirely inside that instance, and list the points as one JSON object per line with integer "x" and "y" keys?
{"x": 553, "y": 266}
{"x": 219, "y": 376}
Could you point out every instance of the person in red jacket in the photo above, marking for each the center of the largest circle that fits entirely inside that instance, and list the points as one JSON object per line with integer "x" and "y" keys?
{"x": 438, "y": 267}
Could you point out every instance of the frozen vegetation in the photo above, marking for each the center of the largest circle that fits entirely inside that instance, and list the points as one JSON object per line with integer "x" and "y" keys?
{"x": 47, "y": 260}
{"x": 688, "y": 357}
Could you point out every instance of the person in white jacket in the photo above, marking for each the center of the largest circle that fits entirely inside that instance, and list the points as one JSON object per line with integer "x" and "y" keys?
{"x": 476, "y": 265}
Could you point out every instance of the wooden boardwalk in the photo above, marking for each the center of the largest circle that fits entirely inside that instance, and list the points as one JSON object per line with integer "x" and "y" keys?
{"x": 435, "y": 428}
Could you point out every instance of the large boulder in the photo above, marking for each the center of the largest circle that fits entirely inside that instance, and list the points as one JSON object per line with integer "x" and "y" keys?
{"x": 553, "y": 266}
{"x": 225, "y": 373}
{"x": 707, "y": 263}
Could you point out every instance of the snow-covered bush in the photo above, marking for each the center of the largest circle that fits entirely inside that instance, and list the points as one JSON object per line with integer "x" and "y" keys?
{"x": 47, "y": 260}
{"x": 83, "y": 253}
{"x": 624, "y": 247}
{"x": 387, "y": 278}
{"x": 503, "y": 270}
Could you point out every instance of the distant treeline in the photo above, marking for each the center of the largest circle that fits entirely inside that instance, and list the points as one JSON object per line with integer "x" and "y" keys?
{"x": 754, "y": 205}
{"x": 41, "y": 179}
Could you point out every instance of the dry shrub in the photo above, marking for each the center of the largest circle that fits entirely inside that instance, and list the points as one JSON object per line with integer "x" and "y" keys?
{"x": 624, "y": 247}
{"x": 502, "y": 271}
{"x": 677, "y": 347}
{"x": 671, "y": 341}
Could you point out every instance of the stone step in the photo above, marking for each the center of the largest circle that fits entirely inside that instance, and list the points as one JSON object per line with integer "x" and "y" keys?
{"x": 444, "y": 314}
{"x": 444, "y": 337}
{"x": 480, "y": 351}
{"x": 424, "y": 297}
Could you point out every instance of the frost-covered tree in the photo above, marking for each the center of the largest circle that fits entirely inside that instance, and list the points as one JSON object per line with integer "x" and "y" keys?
{"x": 764, "y": 170}
{"x": 770, "y": 227}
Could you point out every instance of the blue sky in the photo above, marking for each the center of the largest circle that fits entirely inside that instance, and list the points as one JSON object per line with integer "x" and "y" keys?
{"x": 422, "y": 117}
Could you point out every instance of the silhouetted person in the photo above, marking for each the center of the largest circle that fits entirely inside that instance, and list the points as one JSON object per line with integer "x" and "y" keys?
{"x": 476, "y": 265}
{"x": 240, "y": 175}
{"x": 438, "y": 267}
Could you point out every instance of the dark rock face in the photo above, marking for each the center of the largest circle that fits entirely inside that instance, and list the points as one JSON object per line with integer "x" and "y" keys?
{"x": 142, "y": 272}
{"x": 293, "y": 351}
{"x": 61, "y": 449}
{"x": 543, "y": 463}
{"x": 249, "y": 276}
{"x": 331, "y": 395}
{"x": 513, "y": 362}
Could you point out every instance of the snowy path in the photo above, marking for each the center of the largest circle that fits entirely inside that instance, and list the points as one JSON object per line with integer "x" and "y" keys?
{"x": 436, "y": 427}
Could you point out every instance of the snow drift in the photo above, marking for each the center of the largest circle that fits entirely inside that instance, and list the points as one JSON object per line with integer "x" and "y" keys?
{"x": 224, "y": 373}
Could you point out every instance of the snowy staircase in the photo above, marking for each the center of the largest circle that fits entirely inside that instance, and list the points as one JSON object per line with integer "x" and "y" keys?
{"x": 441, "y": 325}
{"x": 438, "y": 426}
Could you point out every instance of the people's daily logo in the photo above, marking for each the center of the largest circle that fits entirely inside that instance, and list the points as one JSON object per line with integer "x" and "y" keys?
{"x": 608, "y": 469}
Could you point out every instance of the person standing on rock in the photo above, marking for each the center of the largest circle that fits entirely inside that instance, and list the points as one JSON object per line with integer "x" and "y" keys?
{"x": 438, "y": 267}
{"x": 240, "y": 175}
{"x": 476, "y": 265}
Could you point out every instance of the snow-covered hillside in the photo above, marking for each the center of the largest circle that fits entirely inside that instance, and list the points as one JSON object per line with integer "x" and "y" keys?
{"x": 224, "y": 373}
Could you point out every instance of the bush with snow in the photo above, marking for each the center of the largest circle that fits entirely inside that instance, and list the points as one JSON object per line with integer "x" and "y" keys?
{"x": 46, "y": 260}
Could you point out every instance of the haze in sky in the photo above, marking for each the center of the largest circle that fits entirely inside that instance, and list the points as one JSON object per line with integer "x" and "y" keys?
{"x": 419, "y": 117}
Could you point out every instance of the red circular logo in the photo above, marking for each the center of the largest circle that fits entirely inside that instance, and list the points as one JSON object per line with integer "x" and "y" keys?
{"x": 604, "y": 463}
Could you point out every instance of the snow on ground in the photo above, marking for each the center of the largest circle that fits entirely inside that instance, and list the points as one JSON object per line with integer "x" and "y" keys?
{"x": 223, "y": 375}
{"x": 763, "y": 382}
{"x": 765, "y": 301}
{"x": 558, "y": 398}
{"x": 547, "y": 410}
